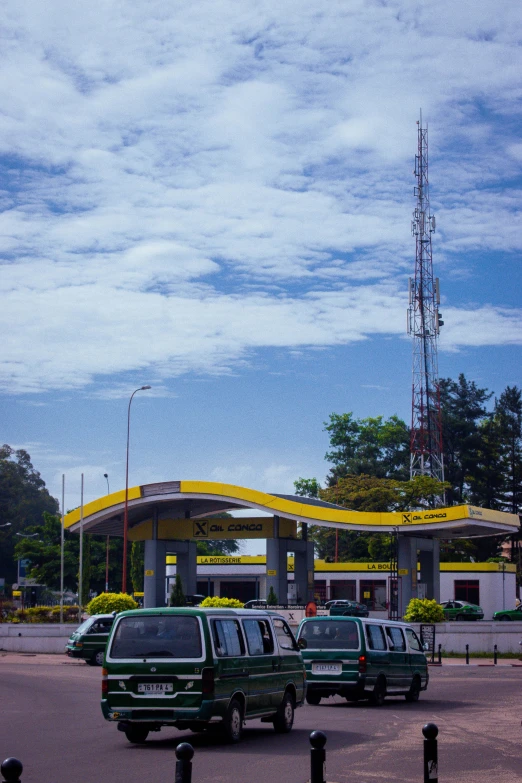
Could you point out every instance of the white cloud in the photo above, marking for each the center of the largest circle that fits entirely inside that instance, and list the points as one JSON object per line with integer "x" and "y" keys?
{"x": 185, "y": 185}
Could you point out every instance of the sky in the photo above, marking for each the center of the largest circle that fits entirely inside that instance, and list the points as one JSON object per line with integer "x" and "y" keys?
{"x": 215, "y": 198}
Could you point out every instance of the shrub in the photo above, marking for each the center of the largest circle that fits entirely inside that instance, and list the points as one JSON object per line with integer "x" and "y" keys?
{"x": 105, "y": 603}
{"x": 229, "y": 603}
{"x": 424, "y": 610}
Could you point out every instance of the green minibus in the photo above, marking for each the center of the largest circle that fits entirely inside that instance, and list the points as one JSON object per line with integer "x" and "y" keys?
{"x": 196, "y": 669}
{"x": 361, "y": 658}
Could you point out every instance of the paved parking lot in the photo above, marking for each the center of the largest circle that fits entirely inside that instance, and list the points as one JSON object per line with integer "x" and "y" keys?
{"x": 50, "y": 719}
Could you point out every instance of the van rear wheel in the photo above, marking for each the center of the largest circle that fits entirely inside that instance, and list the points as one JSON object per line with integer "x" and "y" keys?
{"x": 313, "y": 698}
{"x": 232, "y": 724}
{"x": 284, "y": 719}
{"x": 137, "y": 734}
{"x": 379, "y": 693}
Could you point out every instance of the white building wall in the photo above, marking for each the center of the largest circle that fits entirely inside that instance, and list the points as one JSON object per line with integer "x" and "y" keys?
{"x": 496, "y": 590}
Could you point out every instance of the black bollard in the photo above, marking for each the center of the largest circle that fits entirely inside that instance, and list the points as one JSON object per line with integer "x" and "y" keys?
{"x": 431, "y": 762}
{"x": 440, "y": 653}
{"x": 184, "y": 754}
{"x": 467, "y": 653}
{"x": 11, "y": 770}
{"x": 495, "y": 654}
{"x": 317, "y": 757}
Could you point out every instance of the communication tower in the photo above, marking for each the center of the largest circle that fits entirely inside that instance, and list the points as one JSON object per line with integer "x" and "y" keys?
{"x": 424, "y": 322}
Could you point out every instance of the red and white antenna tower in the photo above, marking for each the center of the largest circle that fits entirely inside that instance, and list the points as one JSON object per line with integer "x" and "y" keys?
{"x": 424, "y": 322}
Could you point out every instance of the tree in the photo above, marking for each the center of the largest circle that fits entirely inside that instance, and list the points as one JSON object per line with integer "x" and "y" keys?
{"x": 137, "y": 565}
{"x": 177, "y": 596}
{"x": 463, "y": 408}
{"x": 367, "y": 493}
{"x": 44, "y": 554}
{"x": 218, "y": 547}
{"x": 271, "y": 599}
{"x": 23, "y": 500}
{"x": 368, "y": 446}
{"x": 508, "y": 417}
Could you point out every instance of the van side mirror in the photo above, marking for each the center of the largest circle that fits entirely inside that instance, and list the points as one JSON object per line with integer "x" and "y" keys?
{"x": 425, "y": 646}
{"x": 302, "y": 644}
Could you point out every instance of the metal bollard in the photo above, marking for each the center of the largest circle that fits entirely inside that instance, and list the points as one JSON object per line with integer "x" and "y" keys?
{"x": 440, "y": 653}
{"x": 495, "y": 654}
{"x": 11, "y": 770}
{"x": 184, "y": 754}
{"x": 317, "y": 757}
{"x": 431, "y": 762}
{"x": 467, "y": 653}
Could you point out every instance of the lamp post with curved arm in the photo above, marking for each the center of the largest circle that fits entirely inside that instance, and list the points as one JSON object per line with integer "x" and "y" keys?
{"x": 126, "y": 507}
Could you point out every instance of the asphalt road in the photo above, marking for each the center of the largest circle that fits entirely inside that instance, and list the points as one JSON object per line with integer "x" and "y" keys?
{"x": 51, "y": 720}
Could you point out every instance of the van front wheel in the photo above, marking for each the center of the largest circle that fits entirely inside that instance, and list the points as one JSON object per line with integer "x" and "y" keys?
{"x": 379, "y": 693}
{"x": 284, "y": 719}
{"x": 233, "y": 722}
{"x": 136, "y": 734}
{"x": 414, "y": 692}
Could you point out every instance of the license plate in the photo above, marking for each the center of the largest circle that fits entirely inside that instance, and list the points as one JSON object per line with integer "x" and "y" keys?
{"x": 327, "y": 668}
{"x": 155, "y": 687}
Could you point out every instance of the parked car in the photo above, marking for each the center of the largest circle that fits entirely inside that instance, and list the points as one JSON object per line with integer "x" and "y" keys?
{"x": 361, "y": 658}
{"x": 194, "y": 600}
{"x": 256, "y": 603}
{"x": 462, "y": 610}
{"x": 509, "y": 614}
{"x": 88, "y": 641}
{"x": 199, "y": 668}
{"x": 351, "y": 608}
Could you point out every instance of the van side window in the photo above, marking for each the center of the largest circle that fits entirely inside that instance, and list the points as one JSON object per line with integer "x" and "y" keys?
{"x": 375, "y": 637}
{"x": 395, "y": 638}
{"x": 228, "y": 639}
{"x": 259, "y": 637}
{"x": 285, "y": 637}
{"x": 413, "y": 640}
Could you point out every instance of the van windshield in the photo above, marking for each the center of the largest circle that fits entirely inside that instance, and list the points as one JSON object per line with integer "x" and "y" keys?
{"x": 330, "y": 635}
{"x": 157, "y": 636}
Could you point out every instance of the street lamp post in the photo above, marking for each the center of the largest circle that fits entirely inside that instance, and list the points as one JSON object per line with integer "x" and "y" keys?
{"x": 106, "y": 476}
{"x": 126, "y": 507}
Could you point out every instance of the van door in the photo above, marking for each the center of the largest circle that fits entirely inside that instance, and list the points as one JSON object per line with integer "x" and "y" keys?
{"x": 292, "y": 667}
{"x": 418, "y": 662}
{"x": 231, "y": 672}
{"x": 399, "y": 677}
{"x": 377, "y": 654}
{"x": 264, "y": 683}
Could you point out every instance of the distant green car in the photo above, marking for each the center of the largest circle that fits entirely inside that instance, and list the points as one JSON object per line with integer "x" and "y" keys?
{"x": 509, "y": 614}
{"x": 462, "y": 610}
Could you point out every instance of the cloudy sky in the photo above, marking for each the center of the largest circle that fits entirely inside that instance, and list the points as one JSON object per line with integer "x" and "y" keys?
{"x": 215, "y": 197}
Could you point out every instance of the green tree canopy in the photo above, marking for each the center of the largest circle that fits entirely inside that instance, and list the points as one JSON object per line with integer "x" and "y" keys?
{"x": 370, "y": 446}
{"x": 23, "y": 500}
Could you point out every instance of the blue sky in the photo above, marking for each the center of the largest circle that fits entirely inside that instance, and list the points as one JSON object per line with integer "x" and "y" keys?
{"x": 215, "y": 199}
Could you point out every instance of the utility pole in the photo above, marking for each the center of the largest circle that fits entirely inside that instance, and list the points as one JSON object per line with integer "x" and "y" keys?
{"x": 424, "y": 322}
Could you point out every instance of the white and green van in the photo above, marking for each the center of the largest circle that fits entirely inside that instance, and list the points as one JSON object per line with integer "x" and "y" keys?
{"x": 361, "y": 658}
{"x": 195, "y": 668}
{"x": 89, "y": 639}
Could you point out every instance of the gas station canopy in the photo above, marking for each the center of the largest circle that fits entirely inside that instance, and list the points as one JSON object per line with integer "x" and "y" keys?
{"x": 182, "y": 508}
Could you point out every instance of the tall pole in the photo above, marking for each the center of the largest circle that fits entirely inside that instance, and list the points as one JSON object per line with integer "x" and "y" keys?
{"x": 424, "y": 322}
{"x": 126, "y": 507}
{"x": 80, "y": 591}
{"x": 62, "y": 541}
{"x": 106, "y": 476}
